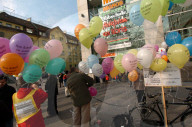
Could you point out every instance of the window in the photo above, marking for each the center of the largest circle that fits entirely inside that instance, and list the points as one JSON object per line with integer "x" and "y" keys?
{"x": 53, "y": 36}
{"x": 17, "y": 27}
{"x": 69, "y": 53}
{"x": 1, "y": 23}
{"x": 70, "y": 66}
{"x": 40, "y": 33}
{"x": 61, "y": 39}
{"x": 70, "y": 60}
{"x": 8, "y": 25}
{"x": 63, "y": 53}
{"x": 44, "y": 42}
{"x": 44, "y": 34}
{"x": 29, "y": 30}
{"x": 2, "y": 34}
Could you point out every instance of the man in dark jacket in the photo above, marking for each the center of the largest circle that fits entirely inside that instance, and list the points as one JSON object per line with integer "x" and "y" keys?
{"x": 78, "y": 84}
{"x": 6, "y": 92}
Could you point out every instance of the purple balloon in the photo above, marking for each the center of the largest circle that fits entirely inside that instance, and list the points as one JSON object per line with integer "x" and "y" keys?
{"x": 21, "y": 44}
{"x": 107, "y": 65}
{"x": 103, "y": 75}
{"x": 163, "y": 53}
{"x": 4, "y": 46}
{"x": 92, "y": 91}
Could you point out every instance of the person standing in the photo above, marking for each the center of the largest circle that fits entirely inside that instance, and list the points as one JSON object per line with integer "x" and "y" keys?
{"x": 78, "y": 84}
{"x": 27, "y": 104}
{"x": 65, "y": 84}
{"x": 52, "y": 90}
{"x": 6, "y": 92}
{"x": 60, "y": 79}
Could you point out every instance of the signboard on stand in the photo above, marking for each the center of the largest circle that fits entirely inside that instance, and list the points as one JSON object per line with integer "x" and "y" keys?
{"x": 171, "y": 76}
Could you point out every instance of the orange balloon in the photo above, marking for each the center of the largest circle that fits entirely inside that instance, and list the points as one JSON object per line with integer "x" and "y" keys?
{"x": 78, "y": 29}
{"x": 165, "y": 58}
{"x": 11, "y": 63}
{"x": 114, "y": 72}
{"x": 133, "y": 75}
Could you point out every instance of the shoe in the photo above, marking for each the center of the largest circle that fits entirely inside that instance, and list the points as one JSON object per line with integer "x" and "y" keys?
{"x": 68, "y": 96}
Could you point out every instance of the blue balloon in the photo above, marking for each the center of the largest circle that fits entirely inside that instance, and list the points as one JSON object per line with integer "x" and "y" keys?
{"x": 188, "y": 43}
{"x": 54, "y": 66}
{"x": 170, "y": 5}
{"x": 25, "y": 66}
{"x": 91, "y": 60}
{"x": 135, "y": 15}
{"x": 32, "y": 73}
{"x": 173, "y": 38}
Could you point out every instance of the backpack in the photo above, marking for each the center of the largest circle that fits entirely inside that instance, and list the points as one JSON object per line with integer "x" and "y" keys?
{"x": 65, "y": 76}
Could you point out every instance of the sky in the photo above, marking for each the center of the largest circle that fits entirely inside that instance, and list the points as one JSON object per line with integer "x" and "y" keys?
{"x": 62, "y": 13}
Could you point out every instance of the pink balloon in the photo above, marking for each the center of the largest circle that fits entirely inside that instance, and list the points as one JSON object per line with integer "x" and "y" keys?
{"x": 150, "y": 47}
{"x": 157, "y": 48}
{"x": 4, "y": 46}
{"x": 32, "y": 49}
{"x": 158, "y": 56}
{"x": 92, "y": 91}
{"x": 101, "y": 46}
{"x": 107, "y": 65}
{"x": 54, "y": 47}
{"x": 129, "y": 62}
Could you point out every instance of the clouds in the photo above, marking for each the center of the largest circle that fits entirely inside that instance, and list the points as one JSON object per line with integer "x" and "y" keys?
{"x": 68, "y": 23}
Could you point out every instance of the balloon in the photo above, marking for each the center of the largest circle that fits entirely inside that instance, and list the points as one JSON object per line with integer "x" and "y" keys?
{"x": 133, "y": 75}
{"x": 178, "y": 1}
{"x": 173, "y": 38}
{"x": 54, "y": 47}
{"x": 83, "y": 67}
{"x": 97, "y": 70}
{"x": 118, "y": 63}
{"x": 101, "y": 46}
{"x": 133, "y": 51}
{"x": 4, "y": 46}
{"x": 107, "y": 65}
{"x": 145, "y": 57}
{"x": 95, "y": 26}
{"x": 163, "y": 53}
{"x": 129, "y": 62}
{"x": 21, "y": 44}
{"x": 178, "y": 54}
{"x": 91, "y": 60}
{"x": 63, "y": 67}
{"x": 150, "y": 47}
{"x": 187, "y": 3}
{"x": 158, "y": 65}
{"x": 151, "y": 9}
{"x": 188, "y": 43}
{"x": 54, "y": 66}
{"x": 32, "y": 73}
{"x": 165, "y": 58}
{"x": 103, "y": 75}
{"x": 164, "y": 45}
{"x": 11, "y": 63}
{"x": 39, "y": 57}
{"x": 25, "y": 65}
{"x": 32, "y": 49}
{"x": 156, "y": 48}
{"x": 1, "y": 72}
{"x": 92, "y": 91}
{"x": 165, "y": 6}
{"x": 158, "y": 56}
{"x": 114, "y": 72}
{"x": 170, "y": 5}
{"x": 78, "y": 29}
{"x": 85, "y": 37}
{"x": 135, "y": 15}
{"x": 139, "y": 66}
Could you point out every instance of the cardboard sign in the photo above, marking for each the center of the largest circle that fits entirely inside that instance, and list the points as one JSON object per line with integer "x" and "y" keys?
{"x": 171, "y": 76}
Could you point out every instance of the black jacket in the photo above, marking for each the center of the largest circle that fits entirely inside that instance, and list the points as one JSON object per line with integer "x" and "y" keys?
{"x": 6, "y": 93}
{"x": 78, "y": 85}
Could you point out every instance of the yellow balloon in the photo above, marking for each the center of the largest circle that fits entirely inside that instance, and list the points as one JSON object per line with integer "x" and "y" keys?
{"x": 139, "y": 66}
{"x": 95, "y": 26}
{"x": 165, "y": 5}
{"x": 178, "y": 55}
{"x": 85, "y": 37}
{"x": 114, "y": 72}
{"x": 133, "y": 51}
{"x": 118, "y": 64}
{"x": 158, "y": 65}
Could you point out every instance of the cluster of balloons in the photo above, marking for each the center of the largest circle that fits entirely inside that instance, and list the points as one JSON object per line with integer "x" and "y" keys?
{"x": 86, "y": 35}
{"x": 19, "y": 55}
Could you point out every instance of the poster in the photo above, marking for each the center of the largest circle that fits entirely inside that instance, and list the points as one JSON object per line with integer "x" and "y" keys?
{"x": 171, "y": 76}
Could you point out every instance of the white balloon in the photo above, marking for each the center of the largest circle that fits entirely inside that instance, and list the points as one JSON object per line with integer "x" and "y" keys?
{"x": 186, "y": 4}
{"x": 83, "y": 67}
{"x": 164, "y": 45}
{"x": 97, "y": 70}
{"x": 145, "y": 57}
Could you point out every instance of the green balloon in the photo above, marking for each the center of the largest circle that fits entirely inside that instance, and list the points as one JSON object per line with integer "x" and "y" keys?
{"x": 95, "y": 26}
{"x": 165, "y": 6}
{"x": 151, "y": 9}
{"x": 39, "y": 57}
{"x": 54, "y": 66}
{"x": 178, "y": 1}
{"x": 63, "y": 67}
{"x": 85, "y": 37}
{"x": 118, "y": 64}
